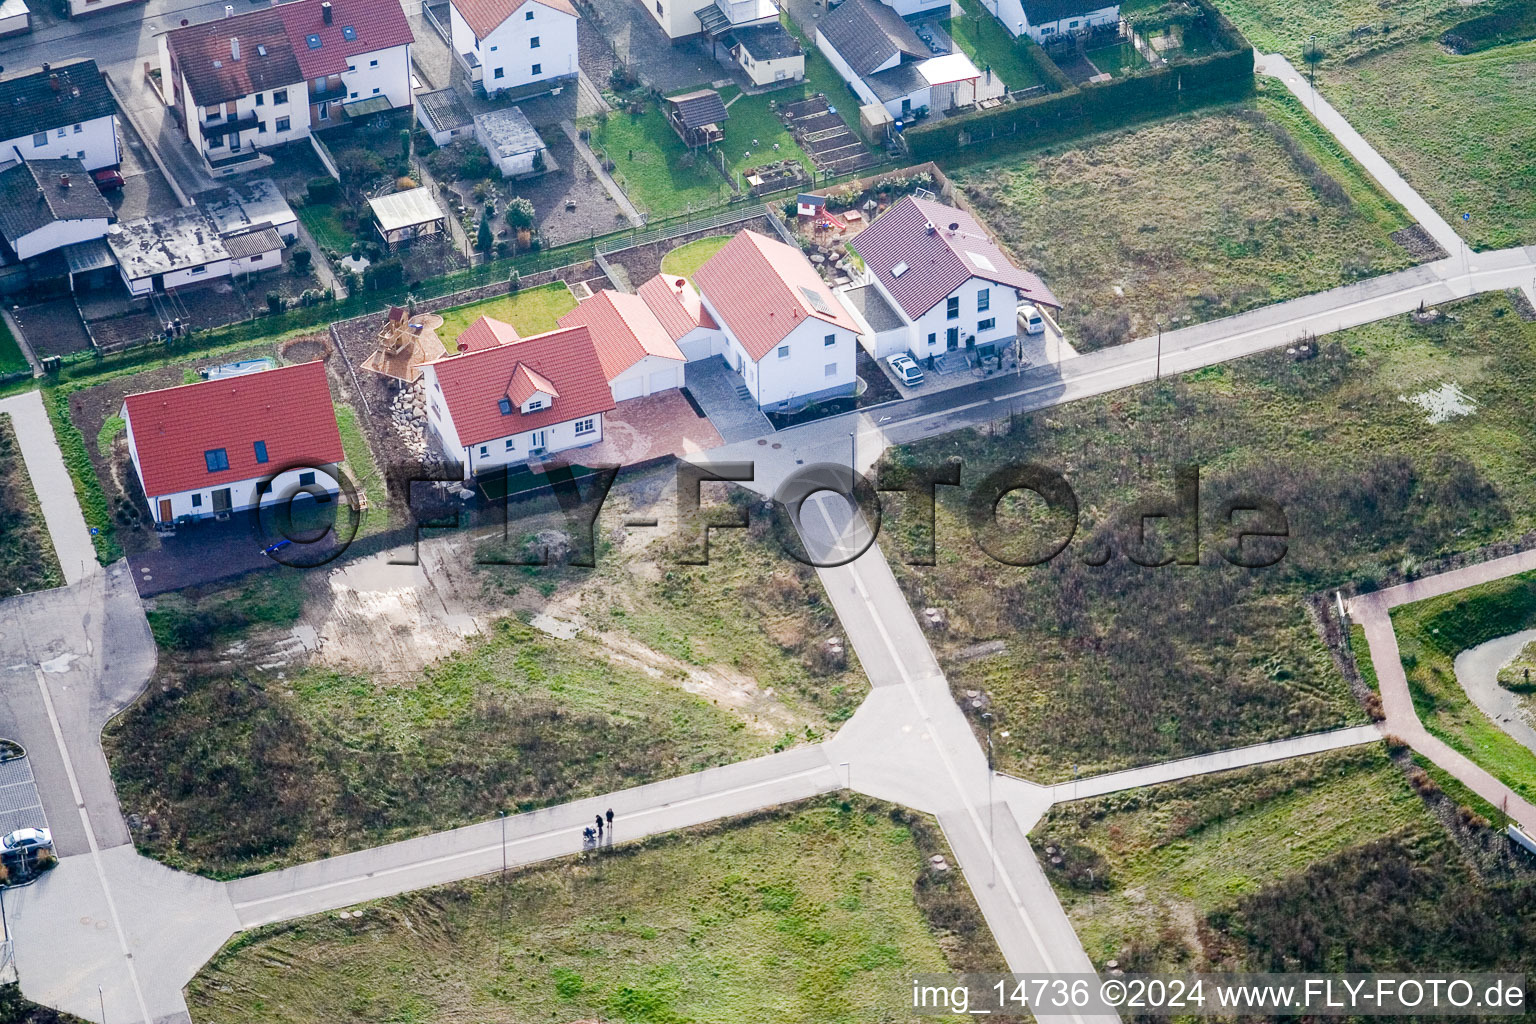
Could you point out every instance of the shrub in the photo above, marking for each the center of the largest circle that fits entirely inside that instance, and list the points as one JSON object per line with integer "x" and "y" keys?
{"x": 484, "y": 238}
{"x": 358, "y": 166}
{"x": 519, "y": 213}
{"x": 384, "y": 275}
{"x": 1100, "y": 330}
{"x": 514, "y": 281}
{"x": 302, "y": 258}
{"x": 274, "y": 302}
{"x": 324, "y": 190}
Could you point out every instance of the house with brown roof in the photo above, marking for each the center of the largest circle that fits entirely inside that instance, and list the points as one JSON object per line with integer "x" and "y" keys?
{"x": 235, "y": 443}
{"x": 781, "y": 328}
{"x": 522, "y": 47}
{"x": 252, "y": 81}
{"x": 934, "y": 282}
{"x": 637, "y": 352}
{"x": 503, "y": 400}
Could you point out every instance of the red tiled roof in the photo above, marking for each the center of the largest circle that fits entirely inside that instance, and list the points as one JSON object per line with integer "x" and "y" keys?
{"x": 676, "y": 304}
{"x": 764, "y": 289}
{"x": 473, "y": 384}
{"x": 483, "y": 16}
{"x": 527, "y": 382}
{"x": 937, "y": 263}
{"x": 486, "y": 333}
{"x": 624, "y": 329}
{"x": 283, "y": 32}
{"x": 287, "y": 408}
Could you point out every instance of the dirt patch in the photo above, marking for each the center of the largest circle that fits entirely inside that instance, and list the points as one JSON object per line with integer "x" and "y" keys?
{"x": 1420, "y": 245}
{"x": 307, "y": 349}
{"x": 53, "y": 328}
{"x": 643, "y": 262}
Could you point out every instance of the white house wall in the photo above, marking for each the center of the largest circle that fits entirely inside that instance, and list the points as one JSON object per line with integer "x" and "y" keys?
{"x": 864, "y": 93}
{"x": 242, "y": 494}
{"x": 650, "y": 375}
{"x": 79, "y": 7}
{"x": 191, "y": 275}
{"x": 509, "y": 46}
{"x": 295, "y": 107}
{"x": 766, "y": 72}
{"x": 92, "y": 142}
{"x": 1003, "y": 311}
{"x": 506, "y": 451}
{"x": 60, "y": 233}
{"x": 701, "y": 343}
{"x": 675, "y": 17}
{"x": 390, "y": 77}
{"x": 256, "y": 263}
{"x": 907, "y": 8}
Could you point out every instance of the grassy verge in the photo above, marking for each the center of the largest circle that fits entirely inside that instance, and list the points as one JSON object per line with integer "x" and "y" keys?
{"x": 16, "y": 1008}
{"x": 817, "y": 913}
{"x": 365, "y": 471}
{"x": 531, "y": 311}
{"x": 1329, "y": 862}
{"x": 1107, "y": 666}
{"x": 1344, "y": 28}
{"x": 1360, "y": 647}
{"x": 652, "y": 165}
{"x": 93, "y": 501}
{"x": 11, "y": 359}
{"x": 27, "y": 558}
{"x": 1429, "y": 636}
{"x": 1456, "y": 790}
{"x": 686, "y": 259}
{"x": 1456, "y": 127}
{"x": 189, "y": 620}
{"x": 1188, "y": 219}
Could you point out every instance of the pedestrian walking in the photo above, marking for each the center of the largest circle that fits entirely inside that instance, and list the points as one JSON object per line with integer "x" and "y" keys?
{"x": 599, "y": 826}
{"x": 610, "y": 810}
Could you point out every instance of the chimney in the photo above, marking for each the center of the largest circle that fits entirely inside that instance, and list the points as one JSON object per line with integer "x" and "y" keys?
{"x": 229, "y": 10}
{"x": 64, "y": 181}
{"x": 53, "y": 81}
{"x": 47, "y": 67}
{"x": 325, "y": 12}
{"x": 928, "y": 227}
{"x": 234, "y": 48}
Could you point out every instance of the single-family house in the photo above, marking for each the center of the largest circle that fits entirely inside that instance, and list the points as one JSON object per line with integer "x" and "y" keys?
{"x": 527, "y": 47}
{"x": 683, "y": 19}
{"x": 1047, "y": 20}
{"x": 939, "y": 283}
{"x": 183, "y": 248}
{"x": 443, "y": 114}
{"x": 80, "y": 8}
{"x": 15, "y": 18}
{"x": 58, "y": 111}
{"x": 884, "y": 61}
{"x": 247, "y": 82}
{"x": 677, "y": 307}
{"x": 234, "y": 443}
{"x": 768, "y": 53}
{"x": 47, "y": 205}
{"x": 914, "y": 8}
{"x": 403, "y": 216}
{"x": 503, "y": 400}
{"x": 636, "y": 351}
{"x": 511, "y": 141}
{"x": 251, "y": 203}
{"x": 782, "y": 329}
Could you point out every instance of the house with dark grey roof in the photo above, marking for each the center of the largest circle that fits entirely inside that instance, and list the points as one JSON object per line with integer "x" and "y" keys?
{"x": 767, "y": 53}
{"x": 886, "y": 63}
{"x": 47, "y": 205}
{"x": 251, "y": 81}
{"x": 58, "y": 111}
{"x": 1046, "y": 20}
{"x": 942, "y": 283}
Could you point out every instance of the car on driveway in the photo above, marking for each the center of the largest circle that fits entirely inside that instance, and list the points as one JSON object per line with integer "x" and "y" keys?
{"x": 25, "y": 840}
{"x": 108, "y": 179}
{"x": 1030, "y": 317}
{"x": 906, "y": 369}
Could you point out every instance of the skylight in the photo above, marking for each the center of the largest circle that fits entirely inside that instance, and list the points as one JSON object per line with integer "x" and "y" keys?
{"x": 348, "y": 33}
{"x": 898, "y": 270}
{"x": 313, "y": 41}
{"x": 505, "y": 405}
{"x": 261, "y": 49}
{"x": 980, "y": 260}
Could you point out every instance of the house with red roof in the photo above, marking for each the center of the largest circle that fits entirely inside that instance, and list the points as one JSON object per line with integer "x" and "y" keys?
{"x": 522, "y": 47}
{"x": 934, "y": 282}
{"x": 677, "y": 305}
{"x": 502, "y": 400}
{"x": 250, "y": 81}
{"x": 234, "y": 443}
{"x": 781, "y": 328}
{"x": 637, "y": 352}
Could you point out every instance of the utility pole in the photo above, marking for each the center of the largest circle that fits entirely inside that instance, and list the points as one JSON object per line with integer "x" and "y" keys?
{"x": 1312, "y": 56}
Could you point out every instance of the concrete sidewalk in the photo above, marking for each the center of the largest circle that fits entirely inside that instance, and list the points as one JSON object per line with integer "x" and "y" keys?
{"x": 55, "y": 490}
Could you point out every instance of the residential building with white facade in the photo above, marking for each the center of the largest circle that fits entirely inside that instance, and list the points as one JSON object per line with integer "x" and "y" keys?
{"x": 182, "y": 248}
{"x": 234, "y": 443}
{"x": 886, "y": 63}
{"x": 683, "y": 19}
{"x": 48, "y": 205}
{"x": 503, "y": 401}
{"x": 525, "y": 47}
{"x": 948, "y": 284}
{"x": 252, "y": 81}
{"x": 80, "y": 8}
{"x": 636, "y": 350}
{"x": 1046, "y": 20}
{"x": 781, "y": 328}
{"x": 59, "y": 111}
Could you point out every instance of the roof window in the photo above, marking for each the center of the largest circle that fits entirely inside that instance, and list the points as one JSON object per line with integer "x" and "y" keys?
{"x": 898, "y": 270}
{"x": 349, "y": 33}
{"x": 313, "y": 41}
{"x": 505, "y": 405}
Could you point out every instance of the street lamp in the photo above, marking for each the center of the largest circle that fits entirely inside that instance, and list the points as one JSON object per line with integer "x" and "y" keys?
{"x": 1159, "y": 349}
{"x": 986, "y": 717}
{"x": 853, "y": 458}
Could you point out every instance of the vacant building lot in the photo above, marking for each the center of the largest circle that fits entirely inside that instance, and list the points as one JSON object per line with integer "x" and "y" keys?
{"x": 1343, "y": 28}
{"x": 27, "y": 559}
{"x": 298, "y": 715}
{"x": 1399, "y": 442}
{"x": 817, "y": 913}
{"x": 1332, "y": 862}
{"x": 1458, "y": 128}
{"x": 1189, "y": 219}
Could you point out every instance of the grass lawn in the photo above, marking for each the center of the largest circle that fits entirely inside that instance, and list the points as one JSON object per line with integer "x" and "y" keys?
{"x": 1344, "y": 28}
{"x": 686, "y": 259}
{"x": 364, "y": 471}
{"x": 531, "y": 311}
{"x": 983, "y": 39}
{"x": 1330, "y": 862}
{"x": 11, "y": 359}
{"x": 1429, "y": 636}
{"x": 1116, "y": 59}
{"x": 1111, "y": 666}
{"x": 323, "y": 222}
{"x": 1457, "y": 128}
{"x": 1189, "y": 219}
{"x": 26, "y": 551}
{"x": 817, "y": 913}
{"x": 657, "y": 172}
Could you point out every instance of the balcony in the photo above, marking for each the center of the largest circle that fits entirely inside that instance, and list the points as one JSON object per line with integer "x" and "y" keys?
{"x": 228, "y": 126}
{"x": 329, "y": 94}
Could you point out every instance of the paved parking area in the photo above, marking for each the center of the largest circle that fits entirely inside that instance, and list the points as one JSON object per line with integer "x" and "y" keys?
{"x": 652, "y": 427}
{"x": 713, "y": 385}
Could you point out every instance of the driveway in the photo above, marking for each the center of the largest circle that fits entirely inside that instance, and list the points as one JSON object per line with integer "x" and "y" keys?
{"x": 714, "y": 386}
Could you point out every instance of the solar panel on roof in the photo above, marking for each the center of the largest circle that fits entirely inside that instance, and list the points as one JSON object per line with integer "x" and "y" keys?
{"x": 814, "y": 298}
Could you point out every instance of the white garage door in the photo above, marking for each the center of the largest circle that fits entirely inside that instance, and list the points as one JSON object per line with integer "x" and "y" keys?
{"x": 626, "y": 387}
{"x": 661, "y": 380}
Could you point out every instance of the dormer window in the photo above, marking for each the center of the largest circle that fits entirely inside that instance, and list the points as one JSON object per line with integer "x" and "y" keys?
{"x": 313, "y": 41}
{"x": 534, "y": 405}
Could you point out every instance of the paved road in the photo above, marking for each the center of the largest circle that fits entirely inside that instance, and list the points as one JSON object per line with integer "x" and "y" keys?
{"x": 1477, "y": 670}
{"x": 55, "y": 491}
{"x": 1373, "y": 613}
{"x": 1365, "y": 154}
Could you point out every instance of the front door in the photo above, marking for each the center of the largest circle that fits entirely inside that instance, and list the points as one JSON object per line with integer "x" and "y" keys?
{"x": 952, "y": 338}
{"x": 536, "y": 441}
{"x": 165, "y": 510}
{"x": 221, "y": 500}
